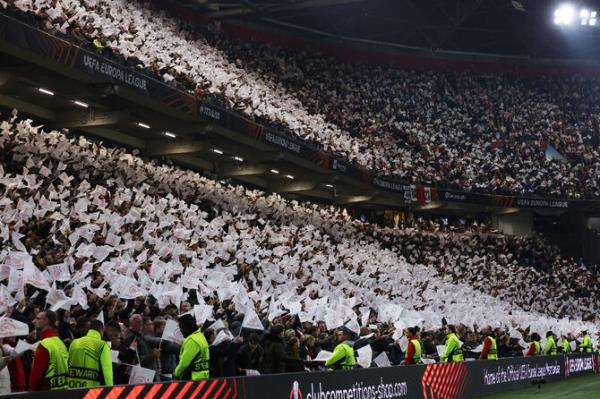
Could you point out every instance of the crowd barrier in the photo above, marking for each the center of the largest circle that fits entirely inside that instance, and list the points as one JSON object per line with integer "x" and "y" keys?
{"x": 17, "y": 37}
{"x": 435, "y": 381}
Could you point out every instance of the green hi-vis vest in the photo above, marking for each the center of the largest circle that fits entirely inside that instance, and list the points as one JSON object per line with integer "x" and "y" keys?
{"x": 453, "y": 350}
{"x": 418, "y": 351}
{"x": 342, "y": 358}
{"x": 85, "y": 366}
{"x": 566, "y": 348}
{"x": 56, "y": 373}
{"x": 586, "y": 345}
{"x": 493, "y": 353}
{"x": 550, "y": 348}
{"x": 538, "y": 348}
{"x": 199, "y": 367}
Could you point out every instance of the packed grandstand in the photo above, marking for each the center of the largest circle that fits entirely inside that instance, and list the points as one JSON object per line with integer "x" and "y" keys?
{"x": 97, "y": 232}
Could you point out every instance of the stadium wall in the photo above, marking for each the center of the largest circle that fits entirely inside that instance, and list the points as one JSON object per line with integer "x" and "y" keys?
{"x": 442, "y": 380}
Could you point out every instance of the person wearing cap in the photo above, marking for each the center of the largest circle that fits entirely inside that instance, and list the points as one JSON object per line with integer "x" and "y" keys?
{"x": 586, "y": 344}
{"x": 50, "y": 360}
{"x": 534, "y": 347}
{"x": 452, "y": 351}
{"x": 550, "y": 348}
{"x": 413, "y": 350}
{"x": 194, "y": 354}
{"x": 343, "y": 357}
{"x": 490, "y": 348}
{"x": 90, "y": 364}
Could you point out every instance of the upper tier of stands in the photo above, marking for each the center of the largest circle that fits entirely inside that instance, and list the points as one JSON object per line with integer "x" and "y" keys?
{"x": 484, "y": 133}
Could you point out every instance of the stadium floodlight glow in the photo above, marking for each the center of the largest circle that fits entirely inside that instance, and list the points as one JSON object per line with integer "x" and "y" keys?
{"x": 275, "y": 171}
{"x": 171, "y": 135}
{"x": 588, "y": 17}
{"x": 45, "y": 91}
{"x": 80, "y": 103}
{"x": 564, "y": 14}
{"x": 144, "y": 125}
{"x": 239, "y": 159}
{"x": 217, "y": 151}
{"x": 290, "y": 177}
{"x": 328, "y": 185}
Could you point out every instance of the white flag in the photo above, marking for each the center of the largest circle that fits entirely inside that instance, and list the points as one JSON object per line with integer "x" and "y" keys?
{"x": 365, "y": 356}
{"x": 24, "y": 346}
{"x": 80, "y": 297}
{"x": 323, "y": 356}
{"x": 382, "y": 360}
{"x": 217, "y": 325}
{"x": 203, "y": 313}
{"x": 440, "y": 350}
{"x": 403, "y": 343}
{"x": 58, "y": 299}
{"x": 140, "y": 375}
{"x": 101, "y": 317}
{"x": 12, "y": 328}
{"x": 114, "y": 356}
{"x": 222, "y": 336}
{"x": 32, "y": 275}
{"x": 573, "y": 345}
{"x": 251, "y": 320}
{"x": 172, "y": 332}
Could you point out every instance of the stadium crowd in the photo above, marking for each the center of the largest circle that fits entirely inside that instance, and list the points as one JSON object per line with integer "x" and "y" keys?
{"x": 95, "y": 232}
{"x": 464, "y": 131}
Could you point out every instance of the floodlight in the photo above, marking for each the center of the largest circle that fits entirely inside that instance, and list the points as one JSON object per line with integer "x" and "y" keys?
{"x": 46, "y": 91}
{"x": 80, "y": 104}
{"x": 564, "y": 14}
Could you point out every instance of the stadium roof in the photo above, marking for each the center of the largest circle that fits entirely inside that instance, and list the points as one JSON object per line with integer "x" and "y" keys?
{"x": 522, "y": 28}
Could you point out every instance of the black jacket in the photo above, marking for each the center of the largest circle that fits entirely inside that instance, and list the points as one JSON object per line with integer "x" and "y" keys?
{"x": 274, "y": 360}
{"x": 246, "y": 359}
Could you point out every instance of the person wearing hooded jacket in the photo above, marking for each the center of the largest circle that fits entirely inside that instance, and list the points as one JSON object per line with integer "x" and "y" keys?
{"x": 274, "y": 358}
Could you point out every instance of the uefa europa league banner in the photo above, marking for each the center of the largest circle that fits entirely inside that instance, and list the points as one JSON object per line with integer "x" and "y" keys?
{"x": 435, "y": 381}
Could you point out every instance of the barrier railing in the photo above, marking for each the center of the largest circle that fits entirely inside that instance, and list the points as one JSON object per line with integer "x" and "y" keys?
{"x": 435, "y": 381}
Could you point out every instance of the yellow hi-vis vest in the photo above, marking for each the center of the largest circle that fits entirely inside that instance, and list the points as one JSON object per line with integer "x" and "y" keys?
{"x": 538, "y": 348}
{"x": 566, "y": 348}
{"x": 550, "y": 348}
{"x": 453, "y": 351}
{"x": 418, "y": 351}
{"x": 586, "y": 345}
{"x": 342, "y": 358}
{"x": 193, "y": 358}
{"x": 90, "y": 364}
{"x": 56, "y": 373}
{"x": 493, "y": 353}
